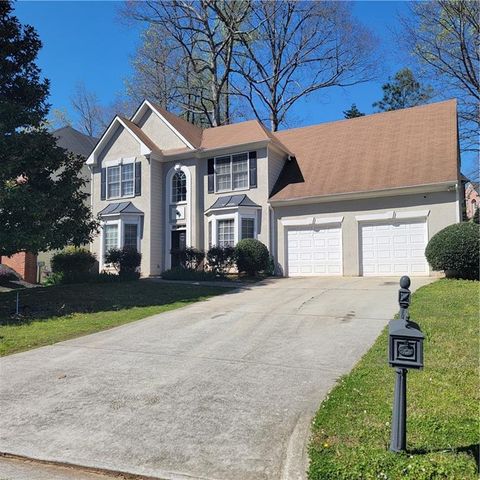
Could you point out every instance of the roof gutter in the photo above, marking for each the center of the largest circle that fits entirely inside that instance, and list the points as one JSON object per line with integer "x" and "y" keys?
{"x": 204, "y": 153}
{"x": 424, "y": 188}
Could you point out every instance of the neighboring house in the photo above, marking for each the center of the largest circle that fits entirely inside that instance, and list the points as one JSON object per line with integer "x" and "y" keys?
{"x": 472, "y": 199}
{"x": 79, "y": 144}
{"x": 353, "y": 197}
{"x": 26, "y": 263}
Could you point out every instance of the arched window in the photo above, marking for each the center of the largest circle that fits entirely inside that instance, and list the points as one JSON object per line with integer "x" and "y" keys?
{"x": 179, "y": 187}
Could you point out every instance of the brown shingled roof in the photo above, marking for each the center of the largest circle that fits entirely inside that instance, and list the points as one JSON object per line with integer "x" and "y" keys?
{"x": 236, "y": 134}
{"x": 409, "y": 147}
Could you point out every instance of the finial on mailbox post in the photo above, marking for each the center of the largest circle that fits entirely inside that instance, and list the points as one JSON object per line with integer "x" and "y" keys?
{"x": 405, "y": 350}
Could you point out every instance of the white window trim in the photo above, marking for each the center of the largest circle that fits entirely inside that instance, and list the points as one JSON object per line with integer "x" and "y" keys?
{"x": 251, "y": 216}
{"x": 119, "y": 163}
{"x": 237, "y": 225}
{"x": 182, "y": 202}
{"x": 121, "y": 221}
{"x": 231, "y": 155}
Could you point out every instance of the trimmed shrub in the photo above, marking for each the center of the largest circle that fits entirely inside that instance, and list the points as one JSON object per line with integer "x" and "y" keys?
{"x": 125, "y": 261}
{"x": 180, "y": 273}
{"x": 72, "y": 265}
{"x": 221, "y": 259}
{"x": 190, "y": 258}
{"x": 252, "y": 256}
{"x": 455, "y": 249}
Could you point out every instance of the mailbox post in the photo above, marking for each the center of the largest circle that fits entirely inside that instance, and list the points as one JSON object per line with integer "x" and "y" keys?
{"x": 405, "y": 350}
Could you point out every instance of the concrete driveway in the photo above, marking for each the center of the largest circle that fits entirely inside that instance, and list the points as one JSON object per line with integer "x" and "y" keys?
{"x": 220, "y": 390}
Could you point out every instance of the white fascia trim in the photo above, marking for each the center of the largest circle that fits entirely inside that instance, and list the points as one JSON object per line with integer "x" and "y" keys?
{"x": 391, "y": 192}
{"x": 412, "y": 214}
{"x": 140, "y": 111}
{"x": 119, "y": 161}
{"x": 375, "y": 216}
{"x": 92, "y": 159}
{"x": 214, "y": 152}
{"x": 326, "y": 220}
{"x": 297, "y": 221}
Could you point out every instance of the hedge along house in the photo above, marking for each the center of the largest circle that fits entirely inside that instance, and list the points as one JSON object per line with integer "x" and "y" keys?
{"x": 354, "y": 197}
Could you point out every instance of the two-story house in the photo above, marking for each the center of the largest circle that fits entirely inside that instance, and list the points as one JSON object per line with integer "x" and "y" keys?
{"x": 353, "y": 197}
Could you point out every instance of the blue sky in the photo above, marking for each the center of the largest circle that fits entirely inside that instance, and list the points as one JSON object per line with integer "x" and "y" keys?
{"x": 86, "y": 41}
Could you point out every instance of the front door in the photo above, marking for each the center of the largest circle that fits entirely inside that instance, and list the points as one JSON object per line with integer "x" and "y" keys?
{"x": 179, "y": 242}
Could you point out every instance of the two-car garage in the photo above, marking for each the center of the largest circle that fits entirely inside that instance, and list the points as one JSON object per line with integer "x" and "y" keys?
{"x": 388, "y": 244}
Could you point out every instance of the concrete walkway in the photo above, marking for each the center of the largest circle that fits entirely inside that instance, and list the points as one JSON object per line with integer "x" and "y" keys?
{"x": 219, "y": 390}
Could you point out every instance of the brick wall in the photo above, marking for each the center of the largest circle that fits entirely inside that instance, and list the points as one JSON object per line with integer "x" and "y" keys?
{"x": 23, "y": 263}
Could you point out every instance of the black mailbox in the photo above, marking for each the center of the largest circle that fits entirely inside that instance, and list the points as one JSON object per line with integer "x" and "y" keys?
{"x": 405, "y": 348}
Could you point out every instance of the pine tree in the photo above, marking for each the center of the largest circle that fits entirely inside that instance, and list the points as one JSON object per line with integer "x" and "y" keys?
{"x": 353, "y": 112}
{"x": 41, "y": 203}
{"x": 403, "y": 92}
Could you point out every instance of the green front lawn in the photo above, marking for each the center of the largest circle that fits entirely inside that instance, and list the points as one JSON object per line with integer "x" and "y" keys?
{"x": 351, "y": 431}
{"x": 52, "y": 314}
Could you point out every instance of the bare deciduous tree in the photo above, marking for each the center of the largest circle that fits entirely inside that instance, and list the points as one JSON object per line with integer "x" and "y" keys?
{"x": 444, "y": 36}
{"x": 94, "y": 117}
{"x": 88, "y": 108}
{"x": 296, "y": 48}
{"x": 206, "y": 32}
{"x": 156, "y": 64}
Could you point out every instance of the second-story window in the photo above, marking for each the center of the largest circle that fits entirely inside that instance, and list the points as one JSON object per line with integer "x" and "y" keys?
{"x": 231, "y": 172}
{"x": 179, "y": 187}
{"x": 127, "y": 179}
{"x": 120, "y": 181}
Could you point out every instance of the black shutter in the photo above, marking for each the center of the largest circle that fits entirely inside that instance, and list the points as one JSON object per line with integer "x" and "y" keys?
{"x": 138, "y": 178}
{"x": 103, "y": 184}
{"x": 211, "y": 175}
{"x": 252, "y": 158}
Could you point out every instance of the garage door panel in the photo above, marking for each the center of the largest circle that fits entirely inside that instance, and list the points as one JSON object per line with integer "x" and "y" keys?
{"x": 314, "y": 251}
{"x": 393, "y": 248}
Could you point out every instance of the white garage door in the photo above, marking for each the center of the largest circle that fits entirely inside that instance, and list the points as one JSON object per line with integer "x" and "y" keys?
{"x": 314, "y": 251}
{"x": 394, "y": 248}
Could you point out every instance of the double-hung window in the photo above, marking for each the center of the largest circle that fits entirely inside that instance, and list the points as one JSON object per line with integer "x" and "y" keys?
{"x": 127, "y": 179}
{"x": 110, "y": 237}
{"x": 247, "y": 228}
{"x": 226, "y": 232}
{"x": 130, "y": 235}
{"x": 231, "y": 172}
{"x": 120, "y": 180}
{"x": 113, "y": 181}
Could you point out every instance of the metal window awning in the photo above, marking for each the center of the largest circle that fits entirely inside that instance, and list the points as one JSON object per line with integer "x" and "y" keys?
{"x": 120, "y": 208}
{"x": 233, "y": 201}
